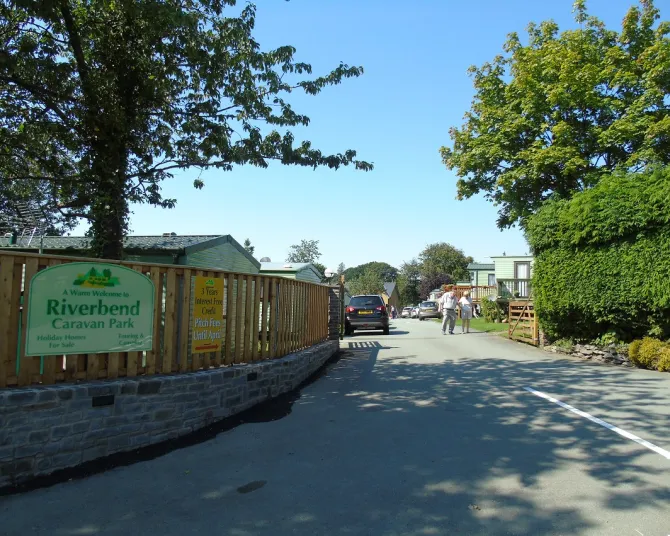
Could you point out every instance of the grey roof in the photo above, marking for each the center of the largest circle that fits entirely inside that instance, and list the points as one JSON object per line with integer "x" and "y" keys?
{"x": 165, "y": 243}
{"x": 284, "y": 266}
{"x": 481, "y": 266}
{"x": 389, "y": 288}
{"x": 182, "y": 245}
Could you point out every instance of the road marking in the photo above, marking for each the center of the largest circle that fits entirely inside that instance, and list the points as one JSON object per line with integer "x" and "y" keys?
{"x": 607, "y": 425}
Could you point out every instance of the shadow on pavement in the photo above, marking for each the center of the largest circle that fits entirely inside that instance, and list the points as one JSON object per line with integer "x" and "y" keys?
{"x": 400, "y": 447}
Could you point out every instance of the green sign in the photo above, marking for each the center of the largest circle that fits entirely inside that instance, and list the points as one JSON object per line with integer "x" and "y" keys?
{"x": 89, "y": 308}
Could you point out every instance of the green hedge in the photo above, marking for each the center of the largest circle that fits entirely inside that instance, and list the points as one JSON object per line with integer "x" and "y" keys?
{"x": 603, "y": 260}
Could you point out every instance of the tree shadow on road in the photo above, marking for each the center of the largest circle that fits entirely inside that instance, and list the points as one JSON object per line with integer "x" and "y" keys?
{"x": 517, "y": 441}
{"x": 396, "y": 446}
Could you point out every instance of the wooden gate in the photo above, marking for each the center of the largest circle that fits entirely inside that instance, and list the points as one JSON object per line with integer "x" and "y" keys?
{"x": 523, "y": 322}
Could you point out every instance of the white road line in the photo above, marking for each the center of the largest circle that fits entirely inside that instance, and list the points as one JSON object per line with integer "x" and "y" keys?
{"x": 607, "y": 425}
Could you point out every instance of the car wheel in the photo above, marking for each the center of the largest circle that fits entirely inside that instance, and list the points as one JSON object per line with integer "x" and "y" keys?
{"x": 386, "y": 330}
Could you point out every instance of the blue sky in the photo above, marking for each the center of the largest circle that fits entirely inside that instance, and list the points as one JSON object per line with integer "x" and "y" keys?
{"x": 397, "y": 115}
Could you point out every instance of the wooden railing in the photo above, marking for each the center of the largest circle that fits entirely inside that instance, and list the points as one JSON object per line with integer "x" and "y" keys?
{"x": 477, "y": 293}
{"x": 264, "y": 318}
{"x": 519, "y": 289}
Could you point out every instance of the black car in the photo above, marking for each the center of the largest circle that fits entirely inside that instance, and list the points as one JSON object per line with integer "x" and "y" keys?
{"x": 366, "y": 312}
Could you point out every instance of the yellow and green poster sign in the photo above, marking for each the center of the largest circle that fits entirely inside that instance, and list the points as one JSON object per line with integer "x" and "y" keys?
{"x": 207, "y": 327}
{"x": 88, "y": 308}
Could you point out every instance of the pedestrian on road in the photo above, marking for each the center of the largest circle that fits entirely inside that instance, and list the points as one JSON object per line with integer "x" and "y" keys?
{"x": 465, "y": 303}
{"x": 448, "y": 303}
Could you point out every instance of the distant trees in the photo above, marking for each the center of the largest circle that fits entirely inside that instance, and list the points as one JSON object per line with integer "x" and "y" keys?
{"x": 306, "y": 251}
{"x": 409, "y": 279}
{"x": 432, "y": 281}
{"x": 444, "y": 259}
{"x": 384, "y": 271}
{"x": 369, "y": 282}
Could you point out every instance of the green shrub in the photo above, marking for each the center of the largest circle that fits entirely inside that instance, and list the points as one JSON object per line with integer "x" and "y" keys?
{"x": 564, "y": 344}
{"x": 634, "y": 350}
{"x": 492, "y": 311}
{"x": 607, "y": 339}
{"x": 651, "y": 354}
{"x": 664, "y": 360}
{"x": 602, "y": 259}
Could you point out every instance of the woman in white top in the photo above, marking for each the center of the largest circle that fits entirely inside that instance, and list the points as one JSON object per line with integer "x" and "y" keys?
{"x": 465, "y": 303}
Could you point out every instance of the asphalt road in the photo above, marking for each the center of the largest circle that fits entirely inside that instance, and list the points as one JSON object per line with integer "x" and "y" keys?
{"x": 409, "y": 434}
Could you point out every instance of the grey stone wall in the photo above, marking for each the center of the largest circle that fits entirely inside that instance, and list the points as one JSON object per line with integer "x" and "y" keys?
{"x": 55, "y": 427}
{"x": 612, "y": 354}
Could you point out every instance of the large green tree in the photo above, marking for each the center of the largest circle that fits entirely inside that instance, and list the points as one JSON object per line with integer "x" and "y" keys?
{"x": 369, "y": 282}
{"x": 432, "y": 282}
{"x": 385, "y": 271}
{"x": 444, "y": 259}
{"x": 553, "y": 115}
{"x": 100, "y": 101}
{"x": 409, "y": 279}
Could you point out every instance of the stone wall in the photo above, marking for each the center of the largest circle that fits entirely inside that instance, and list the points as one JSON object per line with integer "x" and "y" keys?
{"x": 49, "y": 428}
{"x": 612, "y": 354}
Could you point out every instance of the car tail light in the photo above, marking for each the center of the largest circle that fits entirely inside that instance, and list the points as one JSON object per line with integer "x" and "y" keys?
{"x": 350, "y": 309}
{"x": 381, "y": 308}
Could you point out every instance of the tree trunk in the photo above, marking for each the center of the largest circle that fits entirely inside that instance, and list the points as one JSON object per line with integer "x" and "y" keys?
{"x": 109, "y": 218}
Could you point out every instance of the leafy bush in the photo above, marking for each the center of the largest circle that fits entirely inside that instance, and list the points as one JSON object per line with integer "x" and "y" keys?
{"x": 564, "y": 344}
{"x": 651, "y": 354}
{"x": 492, "y": 311}
{"x": 664, "y": 360}
{"x": 602, "y": 260}
{"x": 606, "y": 339}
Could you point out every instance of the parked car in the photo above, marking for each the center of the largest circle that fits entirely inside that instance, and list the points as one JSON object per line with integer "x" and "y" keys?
{"x": 415, "y": 311}
{"x": 366, "y": 312}
{"x": 406, "y": 312}
{"x": 429, "y": 309}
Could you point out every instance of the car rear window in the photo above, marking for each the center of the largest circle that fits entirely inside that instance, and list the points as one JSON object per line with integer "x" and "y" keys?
{"x": 429, "y": 304}
{"x": 366, "y": 301}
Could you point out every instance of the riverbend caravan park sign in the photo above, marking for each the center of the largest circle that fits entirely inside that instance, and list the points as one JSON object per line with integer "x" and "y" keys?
{"x": 89, "y": 308}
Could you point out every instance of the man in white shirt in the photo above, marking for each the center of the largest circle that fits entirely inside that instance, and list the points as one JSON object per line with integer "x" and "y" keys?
{"x": 448, "y": 304}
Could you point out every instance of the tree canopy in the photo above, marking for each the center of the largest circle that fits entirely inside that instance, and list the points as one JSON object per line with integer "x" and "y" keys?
{"x": 409, "y": 279}
{"x": 101, "y": 101}
{"x": 433, "y": 281}
{"x": 369, "y": 282}
{"x": 306, "y": 251}
{"x": 384, "y": 271}
{"x": 553, "y": 116}
{"x": 248, "y": 247}
{"x": 442, "y": 258}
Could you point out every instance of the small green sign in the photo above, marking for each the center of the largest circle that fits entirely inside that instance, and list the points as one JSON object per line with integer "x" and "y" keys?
{"x": 89, "y": 308}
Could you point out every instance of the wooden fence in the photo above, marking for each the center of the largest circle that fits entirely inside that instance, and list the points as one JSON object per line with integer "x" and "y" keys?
{"x": 523, "y": 324}
{"x": 264, "y": 318}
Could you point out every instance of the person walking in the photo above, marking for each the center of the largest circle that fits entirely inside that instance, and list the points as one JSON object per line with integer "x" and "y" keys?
{"x": 448, "y": 303}
{"x": 465, "y": 304}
